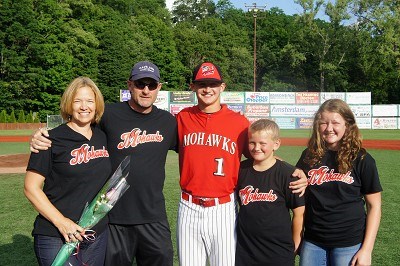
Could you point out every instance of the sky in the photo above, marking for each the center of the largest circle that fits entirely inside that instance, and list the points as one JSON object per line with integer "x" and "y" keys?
{"x": 288, "y": 6}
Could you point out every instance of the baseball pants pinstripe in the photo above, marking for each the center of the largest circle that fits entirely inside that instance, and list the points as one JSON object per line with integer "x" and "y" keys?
{"x": 206, "y": 232}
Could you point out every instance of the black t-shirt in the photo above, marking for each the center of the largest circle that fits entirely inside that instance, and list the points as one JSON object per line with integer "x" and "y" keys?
{"x": 335, "y": 214}
{"x": 147, "y": 139}
{"x": 75, "y": 169}
{"x": 264, "y": 231}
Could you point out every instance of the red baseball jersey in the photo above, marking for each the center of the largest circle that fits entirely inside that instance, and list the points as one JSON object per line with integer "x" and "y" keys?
{"x": 210, "y": 150}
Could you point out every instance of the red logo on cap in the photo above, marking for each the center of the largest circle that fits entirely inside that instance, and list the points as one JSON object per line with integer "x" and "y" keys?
{"x": 208, "y": 71}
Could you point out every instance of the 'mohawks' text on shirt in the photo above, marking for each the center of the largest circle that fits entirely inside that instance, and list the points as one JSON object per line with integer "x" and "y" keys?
{"x": 85, "y": 153}
{"x": 249, "y": 194}
{"x": 324, "y": 174}
{"x": 136, "y": 137}
{"x": 203, "y": 139}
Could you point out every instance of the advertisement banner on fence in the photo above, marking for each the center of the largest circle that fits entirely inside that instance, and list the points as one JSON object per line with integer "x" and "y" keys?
{"x": 254, "y": 118}
{"x": 358, "y": 97}
{"x": 182, "y": 97}
{"x": 282, "y": 97}
{"x": 256, "y": 97}
{"x": 361, "y": 110}
{"x": 177, "y": 107}
{"x": 307, "y": 97}
{"x": 285, "y": 122}
{"x": 293, "y": 110}
{"x": 124, "y": 95}
{"x": 261, "y": 110}
{"x": 304, "y": 122}
{"x": 332, "y": 95}
{"x": 384, "y": 123}
{"x": 363, "y": 122}
{"x": 239, "y": 108}
{"x": 162, "y": 101}
{"x": 385, "y": 110}
{"x": 232, "y": 97}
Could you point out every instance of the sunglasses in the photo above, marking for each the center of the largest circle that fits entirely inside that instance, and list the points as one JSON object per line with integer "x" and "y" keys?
{"x": 141, "y": 85}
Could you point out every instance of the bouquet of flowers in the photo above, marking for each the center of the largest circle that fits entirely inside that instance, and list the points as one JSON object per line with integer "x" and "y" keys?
{"x": 99, "y": 207}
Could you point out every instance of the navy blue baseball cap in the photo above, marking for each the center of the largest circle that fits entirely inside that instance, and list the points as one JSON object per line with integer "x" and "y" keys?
{"x": 145, "y": 69}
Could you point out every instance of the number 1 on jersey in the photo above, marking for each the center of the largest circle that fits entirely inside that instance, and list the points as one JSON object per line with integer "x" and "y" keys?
{"x": 220, "y": 167}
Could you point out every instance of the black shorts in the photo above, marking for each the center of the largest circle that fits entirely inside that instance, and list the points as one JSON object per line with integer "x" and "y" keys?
{"x": 149, "y": 244}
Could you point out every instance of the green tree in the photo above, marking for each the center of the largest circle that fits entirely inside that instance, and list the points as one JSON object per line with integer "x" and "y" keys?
{"x": 192, "y": 10}
{"x": 21, "y": 117}
{"x": 381, "y": 20}
{"x": 11, "y": 117}
{"x": 29, "y": 117}
{"x": 162, "y": 50}
{"x": 3, "y": 116}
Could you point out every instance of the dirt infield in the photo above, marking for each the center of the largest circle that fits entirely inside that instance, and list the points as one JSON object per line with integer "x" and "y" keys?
{"x": 16, "y": 163}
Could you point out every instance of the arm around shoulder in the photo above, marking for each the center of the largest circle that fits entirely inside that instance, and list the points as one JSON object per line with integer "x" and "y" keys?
{"x": 39, "y": 140}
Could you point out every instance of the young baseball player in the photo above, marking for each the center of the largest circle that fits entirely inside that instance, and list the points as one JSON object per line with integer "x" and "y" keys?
{"x": 342, "y": 177}
{"x": 212, "y": 139}
{"x": 266, "y": 235}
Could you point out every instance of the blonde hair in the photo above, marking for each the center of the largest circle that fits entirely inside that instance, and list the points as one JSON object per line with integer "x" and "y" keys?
{"x": 266, "y": 125}
{"x": 69, "y": 94}
{"x": 350, "y": 144}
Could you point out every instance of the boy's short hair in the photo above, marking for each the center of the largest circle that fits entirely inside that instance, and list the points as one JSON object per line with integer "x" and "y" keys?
{"x": 265, "y": 125}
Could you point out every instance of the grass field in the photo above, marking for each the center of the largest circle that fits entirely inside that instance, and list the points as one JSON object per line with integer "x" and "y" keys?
{"x": 25, "y": 132}
{"x": 13, "y": 147}
{"x": 17, "y": 215}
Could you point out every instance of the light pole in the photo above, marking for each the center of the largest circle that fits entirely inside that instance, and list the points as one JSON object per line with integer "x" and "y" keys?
{"x": 255, "y": 9}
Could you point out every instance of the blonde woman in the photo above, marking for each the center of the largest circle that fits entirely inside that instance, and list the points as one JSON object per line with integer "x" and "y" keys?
{"x": 62, "y": 179}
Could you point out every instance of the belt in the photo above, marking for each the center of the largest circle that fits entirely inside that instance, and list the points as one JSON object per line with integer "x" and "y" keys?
{"x": 205, "y": 202}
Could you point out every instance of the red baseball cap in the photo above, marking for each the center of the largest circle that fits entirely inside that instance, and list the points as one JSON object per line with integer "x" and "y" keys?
{"x": 207, "y": 71}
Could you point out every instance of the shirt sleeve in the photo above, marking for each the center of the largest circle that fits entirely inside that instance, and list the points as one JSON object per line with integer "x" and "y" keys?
{"x": 40, "y": 162}
{"x": 292, "y": 199}
{"x": 366, "y": 167}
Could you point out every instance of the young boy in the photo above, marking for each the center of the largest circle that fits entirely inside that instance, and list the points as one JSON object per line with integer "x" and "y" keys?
{"x": 266, "y": 235}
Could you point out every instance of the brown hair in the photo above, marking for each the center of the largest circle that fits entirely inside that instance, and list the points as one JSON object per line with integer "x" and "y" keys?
{"x": 350, "y": 144}
{"x": 265, "y": 125}
{"x": 69, "y": 94}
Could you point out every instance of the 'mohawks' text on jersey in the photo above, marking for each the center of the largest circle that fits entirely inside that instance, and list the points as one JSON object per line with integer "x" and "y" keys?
{"x": 85, "y": 153}
{"x": 210, "y": 150}
{"x": 211, "y": 140}
{"x": 138, "y": 136}
{"x": 323, "y": 174}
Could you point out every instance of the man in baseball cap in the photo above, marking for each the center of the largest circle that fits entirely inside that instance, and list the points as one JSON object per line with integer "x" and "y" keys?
{"x": 145, "y": 69}
{"x": 138, "y": 225}
{"x": 144, "y": 85}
